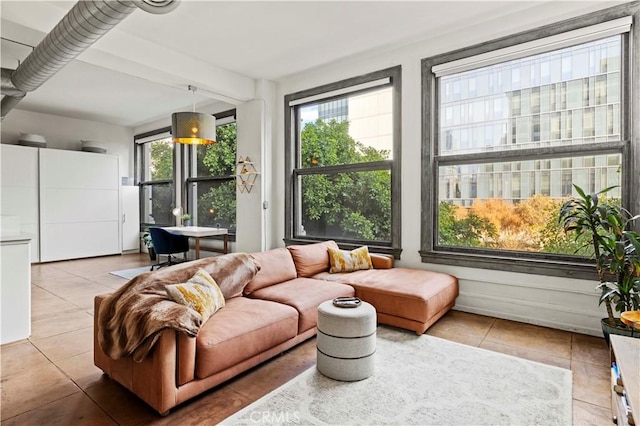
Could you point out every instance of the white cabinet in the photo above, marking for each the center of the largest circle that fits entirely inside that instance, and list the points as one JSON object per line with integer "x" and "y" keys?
{"x": 67, "y": 202}
{"x": 19, "y": 192}
{"x": 130, "y": 218}
{"x": 79, "y": 205}
{"x": 15, "y": 289}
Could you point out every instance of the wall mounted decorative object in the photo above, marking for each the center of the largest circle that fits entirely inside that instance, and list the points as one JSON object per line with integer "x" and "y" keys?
{"x": 246, "y": 174}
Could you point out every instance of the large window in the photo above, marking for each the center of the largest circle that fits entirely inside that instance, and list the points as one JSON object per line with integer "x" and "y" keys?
{"x": 206, "y": 173}
{"x": 343, "y": 141}
{"x": 155, "y": 171}
{"x": 212, "y": 186}
{"x": 509, "y": 129}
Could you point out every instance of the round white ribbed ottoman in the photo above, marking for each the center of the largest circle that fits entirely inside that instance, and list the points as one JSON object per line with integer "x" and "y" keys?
{"x": 346, "y": 341}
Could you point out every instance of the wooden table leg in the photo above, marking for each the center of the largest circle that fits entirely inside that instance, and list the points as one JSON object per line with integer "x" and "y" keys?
{"x": 225, "y": 240}
{"x": 197, "y": 248}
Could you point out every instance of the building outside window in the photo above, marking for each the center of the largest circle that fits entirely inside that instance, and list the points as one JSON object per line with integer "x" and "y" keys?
{"x": 211, "y": 185}
{"x": 155, "y": 176}
{"x": 344, "y": 147}
{"x": 513, "y": 137}
{"x": 334, "y": 110}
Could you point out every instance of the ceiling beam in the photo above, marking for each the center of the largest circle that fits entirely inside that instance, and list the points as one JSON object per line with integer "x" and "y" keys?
{"x": 132, "y": 55}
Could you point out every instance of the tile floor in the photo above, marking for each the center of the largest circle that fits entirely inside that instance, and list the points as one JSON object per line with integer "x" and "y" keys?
{"x": 50, "y": 378}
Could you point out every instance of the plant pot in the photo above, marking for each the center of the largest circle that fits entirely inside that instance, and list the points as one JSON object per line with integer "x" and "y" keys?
{"x": 619, "y": 329}
{"x": 152, "y": 253}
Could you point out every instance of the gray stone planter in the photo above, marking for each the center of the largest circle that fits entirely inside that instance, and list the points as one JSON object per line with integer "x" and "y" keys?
{"x": 619, "y": 329}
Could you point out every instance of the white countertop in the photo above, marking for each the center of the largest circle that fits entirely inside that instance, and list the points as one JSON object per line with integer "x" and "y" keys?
{"x": 196, "y": 231}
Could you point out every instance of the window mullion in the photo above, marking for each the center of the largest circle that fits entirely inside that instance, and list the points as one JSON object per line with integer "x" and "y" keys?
{"x": 210, "y": 178}
{"x": 156, "y": 182}
{"x": 343, "y": 168}
{"x": 532, "y": 153}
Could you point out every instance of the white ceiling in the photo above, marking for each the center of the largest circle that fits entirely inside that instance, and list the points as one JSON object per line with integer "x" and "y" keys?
{"x": 139, "y": 71}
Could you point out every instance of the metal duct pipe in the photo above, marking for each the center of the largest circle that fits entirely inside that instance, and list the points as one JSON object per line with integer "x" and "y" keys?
{"x": 8, "y": 102}
{"x": 82, "y": 26}
{"x": 7, "y": 85}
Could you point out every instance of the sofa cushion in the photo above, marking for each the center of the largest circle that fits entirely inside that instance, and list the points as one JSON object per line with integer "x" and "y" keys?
{"x": 311, "y": 259}
{"x": 414, "y": 294}
{"x": 276, "y": 266}
{"x": 243, "y": 328}
{"x": 201, "y": 293}
{"x": 349, "y": 261}
{"x": 381, "y": 261}
{"x": 305, "y": 295}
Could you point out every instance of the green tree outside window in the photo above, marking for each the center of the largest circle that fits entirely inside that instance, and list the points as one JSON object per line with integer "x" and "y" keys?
{"x": 217, "y": 199}
{"x": 352, "y": 205}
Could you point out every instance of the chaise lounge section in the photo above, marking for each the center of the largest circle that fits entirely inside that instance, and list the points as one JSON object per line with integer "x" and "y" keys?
{"x": 276, "y": 311}
{"x": 412, "y": 299}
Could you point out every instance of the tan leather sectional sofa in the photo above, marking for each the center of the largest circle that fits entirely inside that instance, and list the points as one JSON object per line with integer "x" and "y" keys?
{"x": 278, "y": 309}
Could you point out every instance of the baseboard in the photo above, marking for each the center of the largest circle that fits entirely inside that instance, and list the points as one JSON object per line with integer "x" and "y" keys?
{"x": 574, "y": 320}
{"x": 529, "y": 320}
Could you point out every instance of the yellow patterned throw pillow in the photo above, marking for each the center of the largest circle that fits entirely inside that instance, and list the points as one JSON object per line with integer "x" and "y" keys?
{"x": 201, "y": 293}
{"x": 349, "y": 261}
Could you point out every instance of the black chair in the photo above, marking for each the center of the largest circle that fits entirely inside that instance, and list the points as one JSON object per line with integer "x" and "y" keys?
{"x": 167, "y": 244}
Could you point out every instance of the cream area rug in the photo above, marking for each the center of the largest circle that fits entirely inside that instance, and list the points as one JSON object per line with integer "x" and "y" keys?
{"x": 423, "y": 380}
{"x": 131, "y": 273}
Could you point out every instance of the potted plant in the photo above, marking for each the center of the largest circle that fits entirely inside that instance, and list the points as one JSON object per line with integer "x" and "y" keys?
{"x": 616, "y": 249}
{"x": 186, "y": 219}
{"x": 146, "y": 240}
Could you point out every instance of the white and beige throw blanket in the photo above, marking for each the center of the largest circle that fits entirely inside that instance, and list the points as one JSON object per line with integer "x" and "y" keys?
{"x": 131, "y": 319}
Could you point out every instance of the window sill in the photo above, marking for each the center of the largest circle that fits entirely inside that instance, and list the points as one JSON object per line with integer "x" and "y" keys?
{"x": 349, "y": 246}
{"x": 556, "y": 268}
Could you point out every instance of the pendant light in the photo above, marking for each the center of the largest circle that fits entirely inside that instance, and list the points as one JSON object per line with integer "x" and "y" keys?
{"x": 193, "y": 128}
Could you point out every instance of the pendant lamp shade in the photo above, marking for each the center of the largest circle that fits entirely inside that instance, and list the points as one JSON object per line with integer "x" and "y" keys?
{"x": 193, "y": 128}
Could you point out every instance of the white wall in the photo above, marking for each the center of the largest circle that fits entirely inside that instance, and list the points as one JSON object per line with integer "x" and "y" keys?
{"x": 66, "y": 133}
{"x": 249, "y": 212}
{"x": 210, "y": 108}
{"x": 255, "y": 139}
{"x": 266, "y": 91}
{"x": 551, "y": 301}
